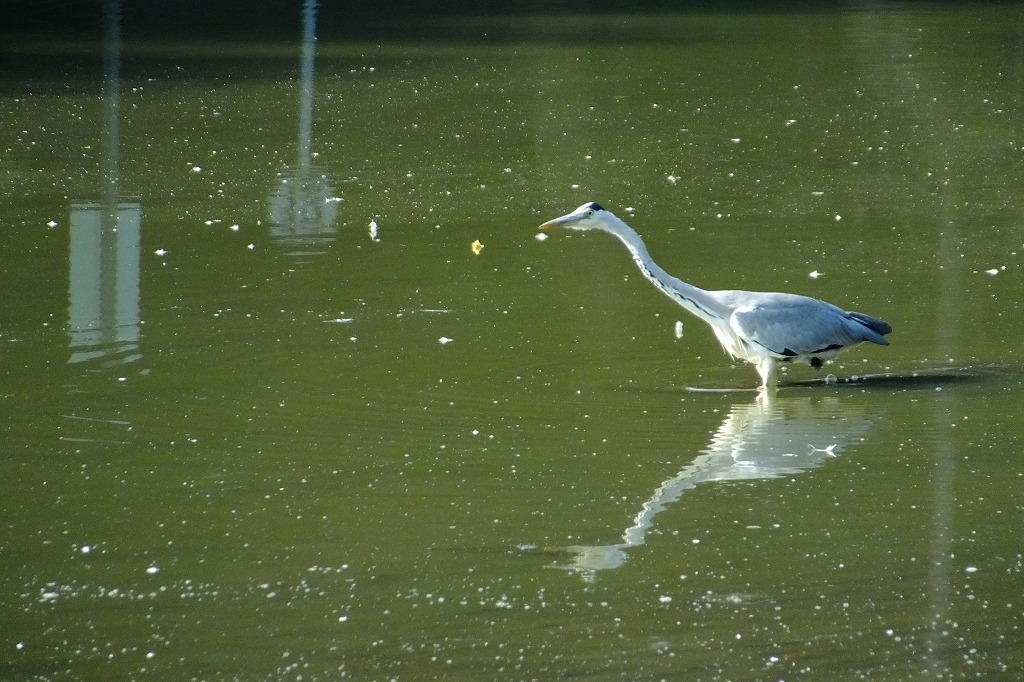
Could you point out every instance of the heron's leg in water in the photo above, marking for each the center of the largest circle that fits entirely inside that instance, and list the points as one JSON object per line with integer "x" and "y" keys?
{"x": 767, "y": 368}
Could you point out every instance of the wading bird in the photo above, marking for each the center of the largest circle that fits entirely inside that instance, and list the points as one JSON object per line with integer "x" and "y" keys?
{"x": 765, "y": 329}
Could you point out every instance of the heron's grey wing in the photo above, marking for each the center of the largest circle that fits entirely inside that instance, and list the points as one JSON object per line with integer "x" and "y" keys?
{"x": 790, "y": 326}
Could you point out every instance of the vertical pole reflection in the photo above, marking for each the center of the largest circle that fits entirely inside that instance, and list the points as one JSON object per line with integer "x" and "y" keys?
{"x": 306, "y": 97}
{"x": 939, "y": 650}
{"x": 302, "y": 209}
{"x": 944, "y": 471}
{"x": 111, "y": 99}
{"x": 105, "y": 237}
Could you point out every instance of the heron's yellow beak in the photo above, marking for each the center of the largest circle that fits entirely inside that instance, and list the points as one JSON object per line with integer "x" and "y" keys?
{"x": 556, "y": 222}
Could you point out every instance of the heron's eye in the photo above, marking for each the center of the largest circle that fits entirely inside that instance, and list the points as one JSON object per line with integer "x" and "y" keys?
{"x": 590, "y": 212}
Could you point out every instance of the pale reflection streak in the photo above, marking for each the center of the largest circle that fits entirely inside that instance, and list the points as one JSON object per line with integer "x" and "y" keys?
{"x": 105, "y": 238}
{"x": 302, "y": 208}
{"x": 758, "y": 440}
{"x": 880, "y": 36}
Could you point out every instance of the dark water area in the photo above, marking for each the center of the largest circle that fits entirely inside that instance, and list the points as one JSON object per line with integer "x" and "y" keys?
{"x": 292, "y": 386}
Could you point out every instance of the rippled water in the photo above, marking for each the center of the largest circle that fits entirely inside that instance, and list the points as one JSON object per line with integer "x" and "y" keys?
{"x": 247, "y": 437}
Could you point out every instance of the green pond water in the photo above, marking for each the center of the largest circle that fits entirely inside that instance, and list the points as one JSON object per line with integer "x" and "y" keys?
{"x": 242, "y": 438}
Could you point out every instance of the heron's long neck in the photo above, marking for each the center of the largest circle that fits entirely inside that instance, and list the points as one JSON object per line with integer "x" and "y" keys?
{"x": 694, "y": 299}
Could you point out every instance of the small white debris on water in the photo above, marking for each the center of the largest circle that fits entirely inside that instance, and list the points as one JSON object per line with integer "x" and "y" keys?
{"x": 197, "y": 169}
{"x": 629, "y": 209}
{"x": 814, "y": 274}
{"x": 838, "y": 217}
{"x": 161, "y": 252}
{"x": 52, "y": 223}
{"x": 153, "y": 570}
{"x": 735, "y": 140}
{"x": 250, "y": 246}
{"x": 971, "y": 569}
{"x": 671, "y": 177}
{"x": 790, "y": 122}
{"x": 992, "y": 271}
{"x": 373, "y": 230}
{"x": 665, "y": 599}
{"x": 444, "y": 340}
{"x": 679, "y": 329}
{"x": 540, "y": 236}
{"x": 235, "y": 228}
{"x": 85, "y": 549}
{"x": 828, "y": 450}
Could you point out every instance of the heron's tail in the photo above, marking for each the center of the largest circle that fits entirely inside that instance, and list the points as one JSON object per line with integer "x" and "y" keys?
{"x": 872, "y": 328}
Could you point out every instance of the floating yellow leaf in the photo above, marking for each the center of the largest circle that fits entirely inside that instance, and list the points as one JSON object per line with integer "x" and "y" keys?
{"x": 477, "y": 247}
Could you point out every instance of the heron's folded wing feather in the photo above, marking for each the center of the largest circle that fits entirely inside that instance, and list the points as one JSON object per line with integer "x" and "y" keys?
{"x": 791, "y": 327}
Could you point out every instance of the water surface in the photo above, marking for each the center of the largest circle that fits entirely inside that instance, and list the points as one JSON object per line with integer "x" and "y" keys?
{"x": 245, "y": 439}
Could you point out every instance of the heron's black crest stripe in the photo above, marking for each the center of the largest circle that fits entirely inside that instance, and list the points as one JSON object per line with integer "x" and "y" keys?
{"x": 594, "y": 206}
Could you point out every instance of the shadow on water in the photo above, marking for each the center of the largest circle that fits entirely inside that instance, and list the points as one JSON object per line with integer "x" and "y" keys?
{"x": 925, "y": 378}
{"x": 761, "y": 439}
{"x": 916, "y": 379}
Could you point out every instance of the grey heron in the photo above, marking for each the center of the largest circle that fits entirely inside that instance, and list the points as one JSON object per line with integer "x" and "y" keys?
{"x": 766, "y": 329}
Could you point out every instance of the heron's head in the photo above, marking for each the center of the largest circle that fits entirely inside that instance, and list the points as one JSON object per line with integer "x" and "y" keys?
{"x": 587, "y": 217}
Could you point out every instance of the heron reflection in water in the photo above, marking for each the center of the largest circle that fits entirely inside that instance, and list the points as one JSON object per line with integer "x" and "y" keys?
{"x": 759, "y": 440}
